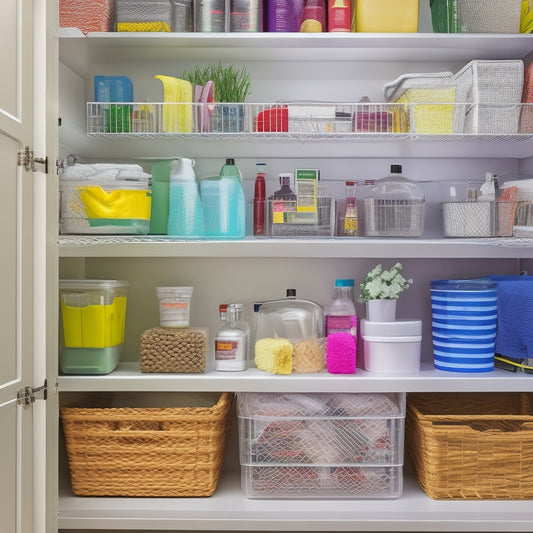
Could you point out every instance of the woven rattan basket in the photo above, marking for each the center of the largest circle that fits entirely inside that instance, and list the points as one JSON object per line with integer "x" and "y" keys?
{"x": 174, "y": 451}
{"x": 472, "y": 445}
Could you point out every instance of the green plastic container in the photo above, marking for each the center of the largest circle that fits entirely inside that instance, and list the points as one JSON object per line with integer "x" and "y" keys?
{"x": 160, "y": 194}
{"x": 444, "y": 16}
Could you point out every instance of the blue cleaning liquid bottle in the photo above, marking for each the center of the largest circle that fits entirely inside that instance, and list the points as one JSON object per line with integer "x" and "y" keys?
{"x": 185, "y": 213}
{"x": 224, "y": 204}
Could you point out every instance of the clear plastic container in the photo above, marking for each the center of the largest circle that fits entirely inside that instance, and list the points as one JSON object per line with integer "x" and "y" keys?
{"x": 93, "y": 315}
{"x": 319, "y": 445}
{"x": 174, "y": 306}
{"x": 394, "y": 207}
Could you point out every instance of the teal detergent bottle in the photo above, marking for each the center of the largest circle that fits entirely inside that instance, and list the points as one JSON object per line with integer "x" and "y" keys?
{"x": 224, "y": 204}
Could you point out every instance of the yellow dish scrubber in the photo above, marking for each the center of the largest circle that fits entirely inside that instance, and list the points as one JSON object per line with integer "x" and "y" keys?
{"x": 274, "y": 355}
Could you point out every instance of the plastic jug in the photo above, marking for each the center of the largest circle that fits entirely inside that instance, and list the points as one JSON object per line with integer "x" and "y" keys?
{"x": 224, "y": 204}
{"x": 160, "y": 193}
{"x": 185, "y": 214}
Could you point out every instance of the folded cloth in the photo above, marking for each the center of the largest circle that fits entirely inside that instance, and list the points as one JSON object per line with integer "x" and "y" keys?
{"x": 514, "y": 335}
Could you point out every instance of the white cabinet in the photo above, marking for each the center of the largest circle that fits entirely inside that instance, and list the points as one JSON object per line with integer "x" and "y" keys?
{"x": 318, "y": 67}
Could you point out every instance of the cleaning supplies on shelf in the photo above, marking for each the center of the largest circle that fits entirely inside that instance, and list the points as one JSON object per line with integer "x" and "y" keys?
{"x": 224, "y": 203}
{"x": 185, "y": 213}
{"x": 259, "y": 200}
{"x": 115, "y": 90}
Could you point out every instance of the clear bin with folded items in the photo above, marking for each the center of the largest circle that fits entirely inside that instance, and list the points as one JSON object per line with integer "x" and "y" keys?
{"x": 476, "y": 16}
{"x": 104, "y": 198}
{"x": 143, "y": 15}
{"x": 394, "y": 207}
{"x": 315, "y": 445}
{"x": 479, "y": 209}
{"x": 493, "y": 91}
{"x": 290, "y": 336}
{"x": 431, "y": 105}
{"x": 514, "y": 334}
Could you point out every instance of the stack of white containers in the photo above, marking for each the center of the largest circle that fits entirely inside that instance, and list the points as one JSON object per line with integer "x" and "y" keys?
{"x": 392, "y": 347}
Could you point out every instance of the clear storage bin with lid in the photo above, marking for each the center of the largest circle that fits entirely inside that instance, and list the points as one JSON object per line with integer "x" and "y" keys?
{"x": 290, "y": 336}
{"x": 394, "y": 207}
{"x": 93, "y": 315}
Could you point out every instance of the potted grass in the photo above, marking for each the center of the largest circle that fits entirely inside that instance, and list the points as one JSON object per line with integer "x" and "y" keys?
{"x": 231, "y": 86}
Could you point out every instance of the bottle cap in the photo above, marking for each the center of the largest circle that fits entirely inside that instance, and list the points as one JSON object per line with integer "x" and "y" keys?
{"x": 230, "y": 161}
{"x": 344, "y": 283}
{"x": 291, "y": 293}
{"x": 396, "y": 169}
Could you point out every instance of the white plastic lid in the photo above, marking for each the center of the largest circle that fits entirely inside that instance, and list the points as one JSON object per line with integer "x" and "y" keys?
{"x": 410, "y": 338}
{"x": 398, "y": 328}
{"x": 92, "y": 284}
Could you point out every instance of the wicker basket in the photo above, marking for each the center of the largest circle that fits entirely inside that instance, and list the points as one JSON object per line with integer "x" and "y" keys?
{"x": 174, "y": 451}
{"x": 87, "y": 15}
{"x": 472, "y": 445}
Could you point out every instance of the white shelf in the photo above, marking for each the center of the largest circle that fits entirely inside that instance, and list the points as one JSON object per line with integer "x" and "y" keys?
{"x": 308, "y": 46}
{"x": 127, "y": 377}
{"x": 161, "y": 246}
{"x": 229, "y": 510}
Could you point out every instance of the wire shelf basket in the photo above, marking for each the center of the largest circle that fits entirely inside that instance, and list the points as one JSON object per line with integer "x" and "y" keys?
{"x": 302, "y": 121}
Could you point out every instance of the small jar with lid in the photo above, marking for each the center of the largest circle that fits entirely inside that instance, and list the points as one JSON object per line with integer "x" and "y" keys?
{"x": 231, "y": 340}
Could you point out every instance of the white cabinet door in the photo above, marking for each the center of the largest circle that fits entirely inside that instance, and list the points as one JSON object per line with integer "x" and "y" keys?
{"x": 16, "y": 265}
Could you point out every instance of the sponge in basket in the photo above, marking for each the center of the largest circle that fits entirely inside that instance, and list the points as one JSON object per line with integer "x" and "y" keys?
{"x": 274, "y": 355}
{"x": 340, "y": 353}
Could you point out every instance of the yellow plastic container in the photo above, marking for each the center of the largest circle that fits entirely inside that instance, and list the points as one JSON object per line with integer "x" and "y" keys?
{"x": 386, "y": 16}
{"x": 93, "y": 316}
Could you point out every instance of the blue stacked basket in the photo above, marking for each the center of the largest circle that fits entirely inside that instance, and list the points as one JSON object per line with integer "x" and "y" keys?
{"x": 464, "y": 315}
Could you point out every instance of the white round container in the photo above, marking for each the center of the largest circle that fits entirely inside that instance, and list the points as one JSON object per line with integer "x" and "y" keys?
{"x": 392, "y": 355}
{"x": 174, "y": 306}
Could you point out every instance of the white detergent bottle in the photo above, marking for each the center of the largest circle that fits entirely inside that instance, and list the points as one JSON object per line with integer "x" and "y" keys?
{"x": 185, "y": 213}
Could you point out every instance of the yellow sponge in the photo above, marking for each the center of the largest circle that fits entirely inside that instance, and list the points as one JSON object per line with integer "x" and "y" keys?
{"x": 274, "y": 355}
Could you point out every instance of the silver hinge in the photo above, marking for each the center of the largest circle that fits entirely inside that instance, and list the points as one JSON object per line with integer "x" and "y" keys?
{"x": 27, "y": 395}
{"x": 27, "y": 160}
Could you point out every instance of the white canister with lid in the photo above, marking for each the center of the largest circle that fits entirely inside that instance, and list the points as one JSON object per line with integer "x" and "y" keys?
{"x": 174, "y": 306}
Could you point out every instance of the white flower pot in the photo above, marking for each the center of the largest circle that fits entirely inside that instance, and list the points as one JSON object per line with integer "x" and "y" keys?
{"x": 381, "y": 310}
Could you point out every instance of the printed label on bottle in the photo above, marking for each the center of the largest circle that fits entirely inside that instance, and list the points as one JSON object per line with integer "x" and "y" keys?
{"x": 336, "y": 324}
{"x": 228, "y": 350}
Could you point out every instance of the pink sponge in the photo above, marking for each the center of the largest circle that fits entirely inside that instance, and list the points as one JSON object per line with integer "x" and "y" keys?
{"x": 340, "y": 353}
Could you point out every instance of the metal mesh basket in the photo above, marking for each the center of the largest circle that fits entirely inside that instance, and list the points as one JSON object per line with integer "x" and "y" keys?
{"x": 489, "y": 16}
{"x": 491, "y": 82}
{"x": 143, "y": 15}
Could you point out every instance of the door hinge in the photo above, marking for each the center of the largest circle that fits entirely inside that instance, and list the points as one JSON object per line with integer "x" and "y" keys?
{"x": 27, "y": 160}
{"x": 27, "y": 395}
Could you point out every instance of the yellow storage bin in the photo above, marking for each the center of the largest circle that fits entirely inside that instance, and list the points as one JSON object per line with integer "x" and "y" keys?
{"x": 386, "y": 16}
{"x": 427, "y": 96}
{"x": 93, "y": 317}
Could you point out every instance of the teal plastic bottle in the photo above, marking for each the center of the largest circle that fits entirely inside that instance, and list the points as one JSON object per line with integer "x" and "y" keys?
{"x": 224, "y": 204}
{"x": 185, "y": 213}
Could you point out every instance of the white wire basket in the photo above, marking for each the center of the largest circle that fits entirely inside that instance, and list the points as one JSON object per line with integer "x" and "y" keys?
{"x": 491, "y": 82}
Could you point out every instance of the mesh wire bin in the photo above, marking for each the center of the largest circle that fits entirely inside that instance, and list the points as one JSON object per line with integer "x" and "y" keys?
{"x": 435, "y": 89}
{"x": 321, "y": 445}
{"x": 96, "y": 15}
{"x": 143, "y": 15}
{"x": 495, "y": 84}
{"x": 489, "y": 16}
{"x": 478, "y": 219}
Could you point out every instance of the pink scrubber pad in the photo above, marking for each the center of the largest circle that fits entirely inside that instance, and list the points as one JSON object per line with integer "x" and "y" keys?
{"x": 340, "y": 353}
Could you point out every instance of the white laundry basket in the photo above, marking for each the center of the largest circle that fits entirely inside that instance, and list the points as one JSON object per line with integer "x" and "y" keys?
{"x": 494, "y": 88}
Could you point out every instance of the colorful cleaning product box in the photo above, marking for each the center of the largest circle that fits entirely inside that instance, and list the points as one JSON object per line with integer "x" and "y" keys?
{"x": 93, "y": 316}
